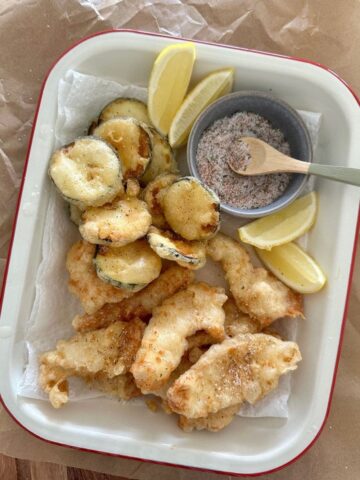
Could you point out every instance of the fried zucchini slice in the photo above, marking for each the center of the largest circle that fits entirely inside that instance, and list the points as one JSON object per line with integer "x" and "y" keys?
{"x": 125, "y": 107}
{"x": 130, "y": 140}
{"x": 172, "y": 247}
{"x": 116, "y": 224}
{"x": 131, "y": 267}
{"x": 191, "y": 209}
{"x": 87, "y": 172}
{"x": 162, "y": 160}
{"x": 153, "y": 195}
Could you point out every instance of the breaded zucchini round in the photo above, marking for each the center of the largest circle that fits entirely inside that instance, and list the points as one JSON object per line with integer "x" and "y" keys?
{"x": 191, "y": 209}
{"x": 118, "y": 223}
{"x": 153, "y": 195}
{"x": 172, "y": 247}
{"x": 131, "y": 267}
{"x": 125, "y": 107}
{"x": 87, "y": 172}
{"x": 131, "y": 142}
{"x": 162, "y": 160}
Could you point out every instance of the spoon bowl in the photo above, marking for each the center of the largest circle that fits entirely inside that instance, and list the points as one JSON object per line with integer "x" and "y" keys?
{"x": 265, "y": 159}
{"x": 262, "y": 159}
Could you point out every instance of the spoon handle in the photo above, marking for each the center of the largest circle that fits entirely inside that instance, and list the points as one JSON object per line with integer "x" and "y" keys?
{"x": 339, "y": 174}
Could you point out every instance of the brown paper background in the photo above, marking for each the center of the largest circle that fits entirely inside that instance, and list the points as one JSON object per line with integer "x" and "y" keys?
{"x": 33, "y": 33}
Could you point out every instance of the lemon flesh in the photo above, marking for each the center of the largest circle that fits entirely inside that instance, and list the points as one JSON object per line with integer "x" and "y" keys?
{"x": 282, "y": 227}
{"x": 294, "y": 267}
{"x": 213, "y": 86}
{"x": 169, "y": 81}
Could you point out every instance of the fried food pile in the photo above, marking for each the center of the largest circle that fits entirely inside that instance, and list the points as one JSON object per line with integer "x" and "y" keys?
{"x": 148, "y": 327}
{"x": 200, "y": 351}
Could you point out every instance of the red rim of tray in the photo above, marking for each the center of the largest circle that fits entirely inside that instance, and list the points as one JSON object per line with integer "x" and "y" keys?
{"x": 349, "y": 279}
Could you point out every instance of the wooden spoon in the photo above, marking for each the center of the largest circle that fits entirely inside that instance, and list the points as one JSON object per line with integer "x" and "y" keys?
{"x": 266, "y": 159}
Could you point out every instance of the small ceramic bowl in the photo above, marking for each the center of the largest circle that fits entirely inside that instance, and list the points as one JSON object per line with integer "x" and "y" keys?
{"x": 281, "y": 116}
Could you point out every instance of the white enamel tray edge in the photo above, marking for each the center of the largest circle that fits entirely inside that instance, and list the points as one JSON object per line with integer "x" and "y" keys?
{"x": 166, "y": 451}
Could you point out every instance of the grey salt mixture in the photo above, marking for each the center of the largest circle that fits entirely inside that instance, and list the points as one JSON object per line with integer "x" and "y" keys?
{"x": 221, "y": 142}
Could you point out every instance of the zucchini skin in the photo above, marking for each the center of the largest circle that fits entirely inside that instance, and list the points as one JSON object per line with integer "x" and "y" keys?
{"x": 172, "y": 247}
{"x": 133, "y": 287}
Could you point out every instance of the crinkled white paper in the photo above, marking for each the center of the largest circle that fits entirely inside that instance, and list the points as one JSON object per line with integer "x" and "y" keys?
{"x": 80, "y": 98}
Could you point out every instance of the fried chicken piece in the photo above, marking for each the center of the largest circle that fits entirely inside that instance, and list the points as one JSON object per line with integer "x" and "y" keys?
{"x": 53, "y": 380}
{"x": 213, "y": 422}
{"x": 122, "y": 386}
{"x": 140, "y": 304}
{"x": 92, "y": 292}
{"x": 243, "y": 368}
{"x": 102, "y": 358}
{"x": 236, "y": 323}
{"x": 256, "y": 291}
{"x": 164, "y": 342}
{"x": 109, "y": 350}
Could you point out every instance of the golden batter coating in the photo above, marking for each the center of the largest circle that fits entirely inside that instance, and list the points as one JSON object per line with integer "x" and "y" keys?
{"x": 97, "y": 357}
{"x": 199, "y": 307}
{"x": 244, "y": 368}
{"x": 256, "y": 291}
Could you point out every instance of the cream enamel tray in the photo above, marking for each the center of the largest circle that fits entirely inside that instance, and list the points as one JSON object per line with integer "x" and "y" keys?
{"x": 248, "y": 445}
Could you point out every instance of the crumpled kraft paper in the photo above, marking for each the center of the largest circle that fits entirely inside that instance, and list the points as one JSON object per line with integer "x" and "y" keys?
{"x": 33, "y": 33}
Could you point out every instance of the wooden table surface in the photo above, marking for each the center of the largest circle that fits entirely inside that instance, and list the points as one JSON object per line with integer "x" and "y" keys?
{"x": 15, "y": 469}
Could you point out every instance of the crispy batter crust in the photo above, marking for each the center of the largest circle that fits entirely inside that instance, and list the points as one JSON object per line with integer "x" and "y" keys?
{"x": 139, "y": 305}
{"x": 99, "y": 357}
{"x": 109, "y": 350}
{"x": 243, "y": 368}
{"x": 164, "y": 342}
{"x": 256, "y": 291}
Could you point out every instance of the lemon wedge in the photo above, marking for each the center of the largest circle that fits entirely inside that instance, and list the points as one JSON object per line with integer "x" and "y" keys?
{"x": 294, "y": 267}
{"x": 281, "y": 227}
{"x": 207, "y": 91}
{"x": 169, "y": 81}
